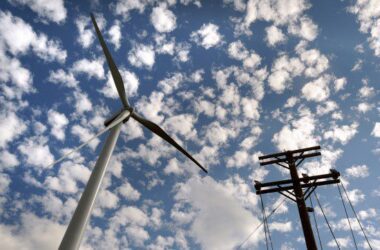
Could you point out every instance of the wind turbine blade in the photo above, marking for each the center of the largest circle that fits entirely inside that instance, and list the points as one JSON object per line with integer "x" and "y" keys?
{"x": 161, "y": 133}
{"x": 111, "y": 64}
{"x": 113, "y": 124}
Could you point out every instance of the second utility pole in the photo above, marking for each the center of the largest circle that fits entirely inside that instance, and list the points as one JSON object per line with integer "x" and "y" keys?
{"x": 293, "y": 188}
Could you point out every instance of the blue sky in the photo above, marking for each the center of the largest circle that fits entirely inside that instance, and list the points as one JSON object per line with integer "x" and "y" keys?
{"x": 230, "y": 80}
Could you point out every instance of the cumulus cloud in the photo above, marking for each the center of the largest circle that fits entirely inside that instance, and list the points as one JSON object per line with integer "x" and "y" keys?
{"x": 85, "y": 134}
{"x": 211, "y": 201}
{"x": 11, "y": 126}
{"x": 357, "y": 171}
{"x": 61, "y": 77}
{"x": 339, "y": 84}
{"x": 129, "y": 192}
{"x": 86, "y": 35}
{"x": 115, "y": 35}
{"x": 131, "y": 84}
{"x": 54, "y": 11}
{"x": 124, "y": 7}
{"x": 58, "y": 122}
{"x": 68, "y": 176}
{"x": 142, "y": 56}
{"x": 36, "y": 152}
{"x": 18, "y": 37}
{"x": 207, "y": 36}
{"x": 274, "y": 36}
{"x": 342, "y": 134}
{"x": 237, "y": 50}
{"x": 92, "y": 68}
{"x": 8, "y": 160}
{"x": 163, "y": 19}
{"x": 376, "y": 130}
{"x": 304, "y": 28}
{"x": 317, "y": 90}
{"x": 368, "y": 17}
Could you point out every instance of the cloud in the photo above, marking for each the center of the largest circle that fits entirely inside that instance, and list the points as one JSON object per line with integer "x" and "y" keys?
{"x": 163, "y": 19}
{"x": 92, "y": 68}
{"x": 368, "y": 16}
{"x": 36, "y": 151}
{"x": 19, "y": 37}
{"x": 357, "y": 171}
{"x": 211, "y": 201}
{"x": 82, "y": 102}
{"x": 173, "y": 167}
{"x": 34, "y": 232}
{"x": 274, "y": 36}
{"x": 317, "y": 90}
{"x": 299, "y": 134}
{"x": 342, "y": 134}
{"x": 124, "y": 7}
{"x": 11, "y": 126}
{"x": 85, "y": 134}
{"x": 358, "y": 65}
{"x": 8, "y": 160}
{"x": 304, "y": 28}
{"x": 237, "y": 50}
{"x": 115, "y": 34}
{"x": 142, "y": 56}
{"x": 207, "y": 36}
{"x": 54, "y": 11}
{"x": 128, "y": 192}
{"x": 131, "y": 84}
{"x": 86, "y": 35}
{"x": 375, "y": 132}
{"x": 171, "y": 83}
{"x": 68, "y": 176}
{"x": 61, "y": 77}
{"x": 340, "y": 83}
{"x": 58, "y": 122}
{"x": 250, "y": 108}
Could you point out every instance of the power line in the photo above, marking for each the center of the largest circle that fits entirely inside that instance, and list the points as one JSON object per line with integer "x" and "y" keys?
{"x": 254, "y": 231}
{"x": 327, "y": 222}
{"x": 316, "y": 224}
{"x": 357, "y": 218}
{"x": 348, "y": 219}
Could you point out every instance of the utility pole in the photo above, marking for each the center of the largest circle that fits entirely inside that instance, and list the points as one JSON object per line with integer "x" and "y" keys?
{"x": 297, "y": 189}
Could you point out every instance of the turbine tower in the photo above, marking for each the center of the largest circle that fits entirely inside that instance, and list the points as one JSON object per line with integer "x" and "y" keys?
{"x": 74, "y": 232}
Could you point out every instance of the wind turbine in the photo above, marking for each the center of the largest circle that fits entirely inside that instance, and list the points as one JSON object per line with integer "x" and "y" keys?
{"x": 74, "y": 232}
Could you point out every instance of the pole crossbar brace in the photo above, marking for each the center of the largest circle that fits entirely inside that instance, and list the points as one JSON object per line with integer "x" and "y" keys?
{"x": 297, "y": 189}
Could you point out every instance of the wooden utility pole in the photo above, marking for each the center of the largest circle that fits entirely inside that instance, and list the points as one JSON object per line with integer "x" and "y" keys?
{"x": 297, "y": 189}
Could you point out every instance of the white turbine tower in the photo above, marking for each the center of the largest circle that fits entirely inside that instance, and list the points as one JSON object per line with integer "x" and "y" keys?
{"x": 74, "y": 232}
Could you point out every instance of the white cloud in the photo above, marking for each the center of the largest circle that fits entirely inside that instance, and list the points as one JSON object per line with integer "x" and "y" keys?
{"x": 211, "y": 201}
{"x": 366, "y": 91}
{"x": 93, "y": 68}
{"x": 86, "y": 35}
{"x": 52, "y": 10}
{"x": 181, "y": 124}
{"x": 317, "y": 90}
{"x": 340, "y": 83}
{"x": 84, "y": 134}
{"x": 129, "y": 192}
{"x": 343, "y": 243}
{"x": 8, "y": 160}
{"x": 298, "y": 135}
{"x": 274, "y": 36}
{"x": 368, "y": 16}
{"x": 19, "y": 37}
{"x": 304, "y": 28}
{"x": 357, "y": 171}
{"x": 163, "y": 19}
{"x": 82, "y": 103}
{"x": 239, "y": 159}
{"x": 124, "y": 7}
{"x": 237, "y": 50}
{"x": 58, "y": 122}
{"x": 34, "y": 232}
{"x": 11, "y": 126}
{"x": 250, "y": 108}
{"x": 173, "y": 167}
{"x": 316, "y": 63}
{"x": 169, "y": 84}
{"x": 356, "y": 196}
{"x": 69, "y": 174}
{"x": 342, "y": 134}
{"x": 131, "y": 84}
{"x": 142, "y": 56}
{"x": 60, "y": 76}
{"x": 37, "y": 153}
{"x": 115, "y": 35}
{"x": 207, "y": 36}
{"x": 375, "y": 132}
{"x": 358, "y": 65}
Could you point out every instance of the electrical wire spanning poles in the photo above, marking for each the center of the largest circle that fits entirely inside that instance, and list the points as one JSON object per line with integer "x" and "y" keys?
{"x": 73, "y": 235}
{"x": 294, "y": 188}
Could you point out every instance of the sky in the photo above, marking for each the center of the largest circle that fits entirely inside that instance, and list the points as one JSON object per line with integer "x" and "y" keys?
{"x": 229, "y": 80}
